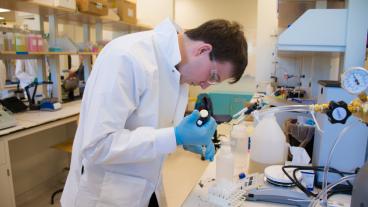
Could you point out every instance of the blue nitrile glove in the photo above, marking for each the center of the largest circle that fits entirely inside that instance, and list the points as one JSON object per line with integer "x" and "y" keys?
{"x": 188, "y": 133}
{"x": 210, "y": 150}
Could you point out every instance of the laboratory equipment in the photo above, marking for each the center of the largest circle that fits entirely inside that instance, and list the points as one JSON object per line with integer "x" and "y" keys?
{"x": 239, "y": 144}
{"x": 278, "y": 195}
{"x": 46, "y": 104}
{"x": 13, "y": 104}
{"x": 203, "y": 118}
{"x": 231, "y": 195}
{"x": 268, "y": 146}
{"x": 360, "y": 189}
{"x": 354, "y": 142}
{"x": 355, "y": 80}
{"x": 239, "y": 139}
{"x": 69, "y": 85}
{"x": 6, "y": 120}
{"x": 188, "y": 133}
{"x": 275, "y": 175}
{"x": 224, "y": 165}
{"x": 326, "y": 189}
{"x": 248, "y": 110}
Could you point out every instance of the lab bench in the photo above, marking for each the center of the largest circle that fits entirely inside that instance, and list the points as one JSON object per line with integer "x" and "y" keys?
{"x": 26, "y": 160}
{"x": 199, "y": 194}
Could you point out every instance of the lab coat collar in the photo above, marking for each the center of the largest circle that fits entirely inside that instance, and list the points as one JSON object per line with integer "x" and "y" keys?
{"x": 166, "y": 35}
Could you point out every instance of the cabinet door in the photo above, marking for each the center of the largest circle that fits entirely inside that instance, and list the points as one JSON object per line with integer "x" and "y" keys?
{"x": 6, "y": 192}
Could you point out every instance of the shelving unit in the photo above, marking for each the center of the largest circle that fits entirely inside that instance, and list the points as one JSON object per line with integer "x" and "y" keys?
{"x": 55, "y": 16}
{"x": 69, "y": 16}
{"x": 13, "y": 53}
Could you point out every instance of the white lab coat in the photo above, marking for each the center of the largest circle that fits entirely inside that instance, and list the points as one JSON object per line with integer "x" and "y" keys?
{"x": 132, "y": 99}
{"x": 26, "y": 71}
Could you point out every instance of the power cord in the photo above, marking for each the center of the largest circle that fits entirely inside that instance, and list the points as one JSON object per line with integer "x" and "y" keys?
{"x": 345, "y": 189}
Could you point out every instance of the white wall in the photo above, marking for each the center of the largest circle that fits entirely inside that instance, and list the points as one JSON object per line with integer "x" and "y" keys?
{"x": 153, "y": 12}
{"x": 191, "y": 13}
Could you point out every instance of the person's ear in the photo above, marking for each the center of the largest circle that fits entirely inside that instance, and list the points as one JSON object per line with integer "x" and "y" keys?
{"x": 204, "y": 49}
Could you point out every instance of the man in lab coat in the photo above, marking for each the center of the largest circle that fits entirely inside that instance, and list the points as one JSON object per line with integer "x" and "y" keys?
{"x": 133, "y": 107}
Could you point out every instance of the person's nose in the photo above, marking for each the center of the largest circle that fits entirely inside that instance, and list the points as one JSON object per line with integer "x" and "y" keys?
{"x": 204, "y": 85}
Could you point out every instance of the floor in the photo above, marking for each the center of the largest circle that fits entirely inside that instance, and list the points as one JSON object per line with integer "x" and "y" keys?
{"x": 181, "y": 172}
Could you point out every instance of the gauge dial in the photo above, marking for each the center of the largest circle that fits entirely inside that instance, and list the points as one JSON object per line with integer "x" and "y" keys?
{"x": 355, "y": 80}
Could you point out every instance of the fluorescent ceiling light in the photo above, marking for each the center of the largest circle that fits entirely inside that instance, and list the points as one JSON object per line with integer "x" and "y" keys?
{"x": 4, "y": 10}
{"x": 1, "y": 17}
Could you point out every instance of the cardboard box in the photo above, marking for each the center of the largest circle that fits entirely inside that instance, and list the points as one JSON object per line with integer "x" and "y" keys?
{"x": 127, "y": 11}
{"x": 95, "y": 7}
{"x": 68, "y": 4}
{"x": 111, "y": 4}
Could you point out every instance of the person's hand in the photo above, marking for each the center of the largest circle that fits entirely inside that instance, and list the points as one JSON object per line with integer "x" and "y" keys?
{"x": 210, "y": 150}
{"x": 188, "y": 133}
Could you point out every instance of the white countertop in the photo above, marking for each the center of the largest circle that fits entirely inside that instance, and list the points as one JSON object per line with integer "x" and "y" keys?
{"x": 199, "y": 194}
{"x": 30, "y": 119}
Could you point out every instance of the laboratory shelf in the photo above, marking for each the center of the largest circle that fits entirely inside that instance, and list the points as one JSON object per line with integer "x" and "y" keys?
{"x": 69, "y": 16}
{"x": 12, "y": 53}
{"x": 35, "y": 8}
{"x": 36, "y": 53}
{"x": 87, "y": 53}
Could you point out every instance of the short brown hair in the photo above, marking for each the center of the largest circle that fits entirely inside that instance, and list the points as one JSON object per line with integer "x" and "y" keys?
{"x": 228, "y": 43}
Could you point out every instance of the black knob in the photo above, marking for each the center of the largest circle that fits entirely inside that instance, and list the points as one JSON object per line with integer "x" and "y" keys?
{"x": 338, "y": 112}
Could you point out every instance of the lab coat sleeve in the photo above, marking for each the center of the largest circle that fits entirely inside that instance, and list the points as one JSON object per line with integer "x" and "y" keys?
{"x": 113, "y": 94}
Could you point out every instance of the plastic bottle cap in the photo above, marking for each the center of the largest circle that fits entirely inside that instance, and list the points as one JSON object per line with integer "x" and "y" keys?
{"x": 199, "y": 122}
{"x": 203, "y": 113}
{"x": 242, "y": 175}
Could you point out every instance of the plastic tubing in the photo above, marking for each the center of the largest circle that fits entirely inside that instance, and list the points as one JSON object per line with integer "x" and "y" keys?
{"x": 323, "y": 193}
{"x": 328, "y": 161}
{"x": 298, "y": 108}
{"x": 301, "y": 108}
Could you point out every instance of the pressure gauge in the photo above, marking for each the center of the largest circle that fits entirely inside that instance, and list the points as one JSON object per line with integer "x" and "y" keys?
{"x": 355, "y": 80}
